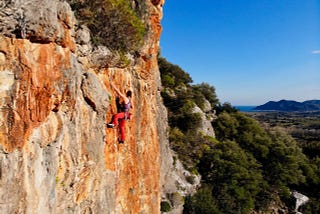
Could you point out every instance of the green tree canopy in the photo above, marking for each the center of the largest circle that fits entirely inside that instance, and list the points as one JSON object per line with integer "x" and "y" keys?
{"x": 204, "y": 90}
{"x": 236, "y": 177}
{"x": 173, "y": 73}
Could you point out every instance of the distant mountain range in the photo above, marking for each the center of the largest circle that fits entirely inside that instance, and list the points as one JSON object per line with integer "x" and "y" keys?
{"x": 289, "y": 105}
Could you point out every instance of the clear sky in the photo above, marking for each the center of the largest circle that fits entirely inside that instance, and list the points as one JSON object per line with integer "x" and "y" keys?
{"x": 251, "y": 51}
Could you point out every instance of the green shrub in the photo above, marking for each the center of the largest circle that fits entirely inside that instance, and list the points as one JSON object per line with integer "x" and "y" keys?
{"x": 189, "y": 147}
{"x": 201, "y": 203}
{"x": 236, "y": 177}
{"x": 165, "y": 206}
{"x": 167, "y": 80}
{"x": 204, "y": 90}
{"x": 179, "y": 75}
{"x": 113, "y": 23}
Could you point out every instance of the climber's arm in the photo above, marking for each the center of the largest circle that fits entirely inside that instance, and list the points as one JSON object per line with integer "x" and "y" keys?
{"x": 125, "y": 99}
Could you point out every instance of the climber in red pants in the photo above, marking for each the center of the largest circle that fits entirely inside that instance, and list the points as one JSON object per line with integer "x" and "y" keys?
{"x": 124, "y": 115}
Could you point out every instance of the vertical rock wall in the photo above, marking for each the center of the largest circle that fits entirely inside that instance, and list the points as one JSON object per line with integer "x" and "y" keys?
{"x": 56, "y": 154}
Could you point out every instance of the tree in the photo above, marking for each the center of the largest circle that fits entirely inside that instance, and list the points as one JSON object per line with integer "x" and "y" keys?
{"x": 201, "y": 203}
{"x": 206, "y": 91}
{"x": 285, "y": 161}
{"x": 168, "y": 69}
{"x": 236, "y": 177}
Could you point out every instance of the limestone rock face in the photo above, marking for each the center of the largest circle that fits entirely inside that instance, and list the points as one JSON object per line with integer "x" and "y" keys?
{"x": 56, "y": 154}
{"x": 206, "y": 118}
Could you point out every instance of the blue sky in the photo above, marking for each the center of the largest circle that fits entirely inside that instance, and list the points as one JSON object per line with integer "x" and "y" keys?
{"x": 251, "y": 51}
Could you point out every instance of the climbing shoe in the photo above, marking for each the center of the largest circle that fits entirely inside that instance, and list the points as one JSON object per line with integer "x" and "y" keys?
{"x": 110, "y": 125}
{"x": 121, "y": 142}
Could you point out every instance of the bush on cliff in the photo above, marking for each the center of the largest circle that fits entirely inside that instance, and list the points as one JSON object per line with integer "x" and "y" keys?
{"x": 113, "y": 23}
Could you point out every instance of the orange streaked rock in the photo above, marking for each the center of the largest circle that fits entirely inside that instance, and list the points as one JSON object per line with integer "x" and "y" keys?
{"x": 56, "y": 154}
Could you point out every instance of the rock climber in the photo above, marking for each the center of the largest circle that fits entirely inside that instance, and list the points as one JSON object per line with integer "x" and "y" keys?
{"x": 124, "y": 113}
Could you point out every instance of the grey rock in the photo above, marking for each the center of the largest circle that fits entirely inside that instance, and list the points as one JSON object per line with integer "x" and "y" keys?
{"x": 37, "y": 20}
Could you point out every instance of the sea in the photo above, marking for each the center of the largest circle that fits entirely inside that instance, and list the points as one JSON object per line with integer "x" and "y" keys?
{"x": 245, "y": 108}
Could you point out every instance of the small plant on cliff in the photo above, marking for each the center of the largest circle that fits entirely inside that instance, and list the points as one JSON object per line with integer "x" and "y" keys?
{"x": 113, "y": 23}
{"x": 165, "y": 206}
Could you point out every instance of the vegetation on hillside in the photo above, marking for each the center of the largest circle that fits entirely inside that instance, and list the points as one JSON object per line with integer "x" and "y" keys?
{"x": 116, "y": 24}
{"x": 304, "y": 127}
{"x": 180, "y": 97}
{"x": 247, "y": 166}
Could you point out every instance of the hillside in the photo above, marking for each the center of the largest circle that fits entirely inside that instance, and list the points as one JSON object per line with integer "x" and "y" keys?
{"x": 288, "y": 105}
{"x": 245, "y": 167}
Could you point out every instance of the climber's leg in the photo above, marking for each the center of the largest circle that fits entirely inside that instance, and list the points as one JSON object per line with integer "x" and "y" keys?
{"x": 122, "y": 130}
{"x": 115, "y": 119}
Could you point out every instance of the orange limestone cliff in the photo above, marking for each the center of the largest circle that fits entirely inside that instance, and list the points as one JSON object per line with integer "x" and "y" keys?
{"x": 56, "y": 153}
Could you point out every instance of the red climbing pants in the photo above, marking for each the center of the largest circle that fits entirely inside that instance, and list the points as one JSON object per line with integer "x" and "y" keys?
{"x": 120, "y": 116}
